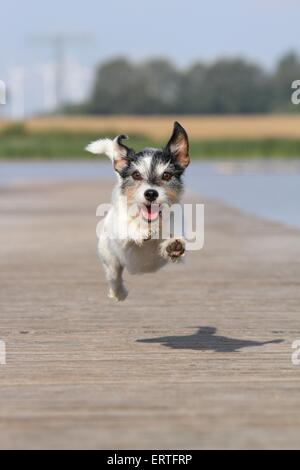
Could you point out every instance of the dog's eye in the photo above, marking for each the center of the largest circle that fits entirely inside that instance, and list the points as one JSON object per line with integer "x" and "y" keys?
{"x": 137, "y": 176}
{"x": 166, "y": 176}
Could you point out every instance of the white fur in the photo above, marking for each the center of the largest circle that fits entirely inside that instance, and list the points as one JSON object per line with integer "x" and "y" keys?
{"x": 134, "y": 251}
{"x": 144, "y": 166}
{"x": 123, "y": 242}
{"x": 107, "y": 147}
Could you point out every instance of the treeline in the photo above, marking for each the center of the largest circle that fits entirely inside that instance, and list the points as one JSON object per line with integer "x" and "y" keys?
{"x": 225, "y": 86}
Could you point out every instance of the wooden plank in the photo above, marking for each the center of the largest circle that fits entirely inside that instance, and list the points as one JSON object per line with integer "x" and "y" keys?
{"x": 198, "y": 357}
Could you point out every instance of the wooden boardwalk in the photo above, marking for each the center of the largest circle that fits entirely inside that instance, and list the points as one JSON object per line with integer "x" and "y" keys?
{"x": 198, "y": 357}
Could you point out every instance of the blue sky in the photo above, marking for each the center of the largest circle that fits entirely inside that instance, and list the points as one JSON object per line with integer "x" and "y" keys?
{"x": 182, "y": 30}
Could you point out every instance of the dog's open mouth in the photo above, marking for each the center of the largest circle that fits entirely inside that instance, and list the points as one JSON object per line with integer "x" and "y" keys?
{"x": 151, "y": 212}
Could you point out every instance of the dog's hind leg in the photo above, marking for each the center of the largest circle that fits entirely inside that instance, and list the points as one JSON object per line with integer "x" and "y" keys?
{"x": 113, "y": 272}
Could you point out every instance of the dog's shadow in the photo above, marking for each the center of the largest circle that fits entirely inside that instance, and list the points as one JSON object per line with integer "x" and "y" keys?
{"x": 205, "y": 339}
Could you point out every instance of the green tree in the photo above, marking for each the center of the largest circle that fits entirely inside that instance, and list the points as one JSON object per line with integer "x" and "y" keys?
{"x": 159, "y": 82}
{"x": 157, "y": 87}
{"x": 226, "y": 86}
{"x": 115, "y": 88}
{"x": 122, "y": 87}
{"x": 191, "y": 96}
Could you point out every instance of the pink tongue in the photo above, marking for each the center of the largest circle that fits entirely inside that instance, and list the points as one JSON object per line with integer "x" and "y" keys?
{"x": 150, "y": 212}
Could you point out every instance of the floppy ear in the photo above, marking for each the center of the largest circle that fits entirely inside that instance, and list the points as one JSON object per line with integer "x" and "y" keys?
{"x": 114, "y": 149}
{"x": 178, "y": 146}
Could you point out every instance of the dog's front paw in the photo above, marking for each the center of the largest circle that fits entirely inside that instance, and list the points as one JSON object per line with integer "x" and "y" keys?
{"x": 119, "y": 295}
{"x": 173, "y": 249}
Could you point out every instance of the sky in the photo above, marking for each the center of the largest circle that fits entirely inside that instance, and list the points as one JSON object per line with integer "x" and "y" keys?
{"x": 181, "y": 30}
{"x": 260, "y": 30}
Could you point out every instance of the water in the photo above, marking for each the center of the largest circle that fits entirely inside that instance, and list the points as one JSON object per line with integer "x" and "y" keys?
{"x": 270, "y": 189}
{"x": 269, "y": 192}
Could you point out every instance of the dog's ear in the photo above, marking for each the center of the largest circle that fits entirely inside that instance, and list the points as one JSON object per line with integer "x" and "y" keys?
{"x": 178, "y": 146}
{"x": 119, "y": 153}
{"x": 122, "y": 154}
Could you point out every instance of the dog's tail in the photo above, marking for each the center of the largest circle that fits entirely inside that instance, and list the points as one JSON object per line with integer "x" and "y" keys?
{"x": 103, "y": 146}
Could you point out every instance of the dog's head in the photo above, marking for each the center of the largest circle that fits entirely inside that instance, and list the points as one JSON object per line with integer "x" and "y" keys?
{"x": 152, "y": 177}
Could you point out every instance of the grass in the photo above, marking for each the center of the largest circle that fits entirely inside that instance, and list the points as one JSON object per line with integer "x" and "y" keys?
{"x": 267, "y": 147}
{"x": 19, "y": 142}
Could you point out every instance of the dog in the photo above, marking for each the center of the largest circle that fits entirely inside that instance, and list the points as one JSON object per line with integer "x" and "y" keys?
{"x": 148, "y": 181}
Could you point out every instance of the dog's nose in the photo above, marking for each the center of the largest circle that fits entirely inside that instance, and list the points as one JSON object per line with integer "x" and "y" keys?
{"x": 151, "y": 195}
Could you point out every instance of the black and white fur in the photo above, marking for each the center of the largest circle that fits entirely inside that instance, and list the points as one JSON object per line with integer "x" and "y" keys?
{"x": 147, "y": 178}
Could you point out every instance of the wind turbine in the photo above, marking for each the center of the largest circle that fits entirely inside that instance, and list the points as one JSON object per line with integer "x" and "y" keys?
{"x": 59, "y": 42}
